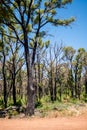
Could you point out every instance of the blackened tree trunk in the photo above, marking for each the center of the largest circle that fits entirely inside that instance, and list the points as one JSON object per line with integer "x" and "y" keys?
{"x": 51, "y": 84}
{"x": 14, "y": 89}
{"x": 30, "y": 86}
{"x": 4, "y": 80}
{"x": 51, "y": 78}
{"x": 71, "y": 83}
{"x": 79, "y": 86}
{"x": 86, "y": 87}
{"x": 52, "y": 87}
{"x": 39, "y": 78}
{"x": 85, "y": 75}
{"x": 13, "y": 79}
{"x": 76, "y": 72}
{"x": 4, "y": 75}
{"x": 20, "y": 84}
{"x": 55, "y": 86}
{"x": 60, "y": 92}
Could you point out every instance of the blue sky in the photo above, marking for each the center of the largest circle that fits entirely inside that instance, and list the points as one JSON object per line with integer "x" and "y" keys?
{"x": 76, "y": 34}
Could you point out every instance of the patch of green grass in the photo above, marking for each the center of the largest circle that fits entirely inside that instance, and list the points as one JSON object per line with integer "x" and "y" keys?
{"x": 46, "y": 105}
{"x": 1, "y": 102}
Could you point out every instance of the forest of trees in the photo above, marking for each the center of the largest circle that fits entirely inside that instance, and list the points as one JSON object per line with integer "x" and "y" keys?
{"x": 31, "y": 67}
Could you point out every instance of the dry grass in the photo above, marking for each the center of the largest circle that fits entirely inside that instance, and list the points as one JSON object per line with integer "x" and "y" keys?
{"x": 72, "y": 110}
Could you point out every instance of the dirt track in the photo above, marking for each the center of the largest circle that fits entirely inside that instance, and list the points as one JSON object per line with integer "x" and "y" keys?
{"x": 59, "y": 123}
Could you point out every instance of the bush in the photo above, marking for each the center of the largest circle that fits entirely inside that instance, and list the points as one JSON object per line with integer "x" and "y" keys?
{"x": 19, "y": 103}
{"x": 85, "y": 97}
{"x": 1, "y": 103}
{"x": 38, "y": 104}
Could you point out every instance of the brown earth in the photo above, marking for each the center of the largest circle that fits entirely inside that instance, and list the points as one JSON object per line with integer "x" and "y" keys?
{"x": 59, "y": 123}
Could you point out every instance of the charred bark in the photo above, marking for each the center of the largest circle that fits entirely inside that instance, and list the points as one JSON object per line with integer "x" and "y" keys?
{"x": 4, "y": 81}
{"x": 30, "y": 85}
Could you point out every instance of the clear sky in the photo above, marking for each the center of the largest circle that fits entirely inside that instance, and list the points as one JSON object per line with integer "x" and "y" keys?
{"x": 76, "y": 34}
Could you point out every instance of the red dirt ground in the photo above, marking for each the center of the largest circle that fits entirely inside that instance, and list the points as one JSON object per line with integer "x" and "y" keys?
{"x": 59, "y": 123}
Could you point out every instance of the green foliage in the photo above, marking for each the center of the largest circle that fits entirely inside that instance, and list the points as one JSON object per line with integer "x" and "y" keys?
{"x": 1, "y": 103}
{"x": 19, "y": 102}
{"x": 12, "y": 113}
{"x": 10, "y": 102}
{"x": 64, "y": 22}
{"x": 69, "y": 52}
{"x": 85, "y": 97}
{"x": 38, "y": 104}
{"x": 64, "y": 2}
